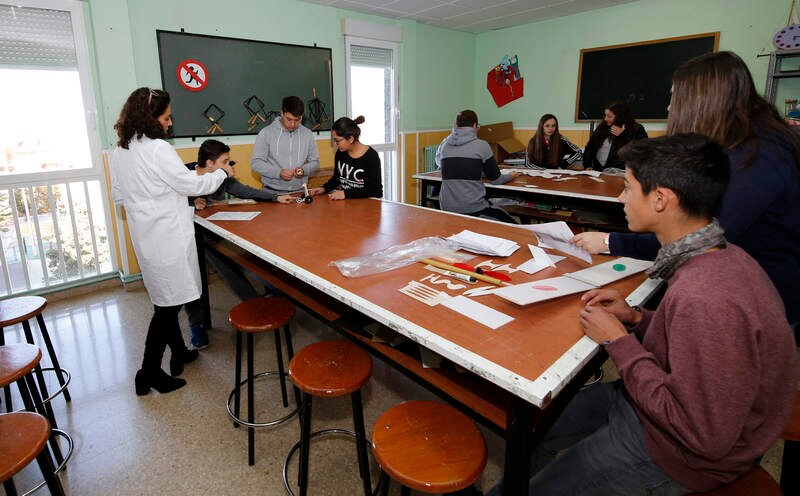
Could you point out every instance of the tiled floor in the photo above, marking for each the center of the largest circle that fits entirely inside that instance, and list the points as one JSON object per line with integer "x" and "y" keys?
{"x": 183, "y": 443}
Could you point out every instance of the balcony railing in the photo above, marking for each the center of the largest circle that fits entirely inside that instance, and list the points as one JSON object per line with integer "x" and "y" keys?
{"x": 53, "y": 234}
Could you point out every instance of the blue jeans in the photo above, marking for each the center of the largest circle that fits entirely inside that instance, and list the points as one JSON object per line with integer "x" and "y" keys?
{"x": 605, "y": 451}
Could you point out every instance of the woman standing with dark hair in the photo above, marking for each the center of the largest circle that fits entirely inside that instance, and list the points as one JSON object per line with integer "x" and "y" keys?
{"x": 356, "y": 166}
{"x": 549, "y": 149}
{"x": 617, "y": 130}
{"x": 152, "y": 183}
{"x": 714, "y": 94}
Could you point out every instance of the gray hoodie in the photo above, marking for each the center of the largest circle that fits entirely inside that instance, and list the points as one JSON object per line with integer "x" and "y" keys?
{"x": 276, "y": 149}
{"x": 465, "y": 160}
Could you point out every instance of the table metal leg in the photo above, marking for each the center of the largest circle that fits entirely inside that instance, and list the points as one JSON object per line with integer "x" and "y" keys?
{"x": 201, "y": 258}
{"x": 519, "y": 447}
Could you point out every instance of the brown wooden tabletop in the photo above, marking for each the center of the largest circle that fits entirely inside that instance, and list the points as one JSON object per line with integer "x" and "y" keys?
{"x": 303, "y": 239}
{"x": 580, "y": 187}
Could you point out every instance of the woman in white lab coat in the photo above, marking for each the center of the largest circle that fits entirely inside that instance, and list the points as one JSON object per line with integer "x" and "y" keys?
{"x": 151, "y": 182}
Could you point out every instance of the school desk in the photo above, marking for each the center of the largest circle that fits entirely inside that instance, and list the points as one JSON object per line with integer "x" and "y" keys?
{"x": 521, "y": 374}
{"x": 581, "y": 201}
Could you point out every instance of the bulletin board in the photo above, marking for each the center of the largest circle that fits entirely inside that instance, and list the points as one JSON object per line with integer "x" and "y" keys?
{"x": 639, "y": 74}
{"x": 231, "y": 86}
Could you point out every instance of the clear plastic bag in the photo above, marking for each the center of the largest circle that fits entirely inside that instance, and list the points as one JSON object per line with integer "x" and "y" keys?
{"x": 399, "y": 256}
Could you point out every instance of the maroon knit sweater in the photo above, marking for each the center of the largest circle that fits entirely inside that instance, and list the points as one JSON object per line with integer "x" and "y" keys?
{"x": 714, "y": 376}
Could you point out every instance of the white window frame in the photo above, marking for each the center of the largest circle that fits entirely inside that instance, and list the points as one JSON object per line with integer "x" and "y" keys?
{"x": 392, "y": 174}
{"x": 76, "y": 10}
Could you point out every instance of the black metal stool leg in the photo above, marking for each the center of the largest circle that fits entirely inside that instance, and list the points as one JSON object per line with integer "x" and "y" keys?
{"x": 7, "y": 389}
{"x": 237, "y": 378}
{"x": 33, "y": 403}
{"x": 383, "y": 484}
{"x": 404, "y": 491}
{"x": 11, "y": 489}
{"x": 53, "y": 358}
{"x": 282, "y": 374}
{"x": 305, "y": 444}
{"x": 251, "y": 432}
{"x": 49, "y": 472}
{"x": 39, "y": 376}
{"x": 361, "y": 441}
{"x": 287, "y": 335}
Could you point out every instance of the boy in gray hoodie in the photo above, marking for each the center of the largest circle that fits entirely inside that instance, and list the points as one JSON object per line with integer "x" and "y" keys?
{"x": 464, "y": 161}
{"x": 285, "y": 152}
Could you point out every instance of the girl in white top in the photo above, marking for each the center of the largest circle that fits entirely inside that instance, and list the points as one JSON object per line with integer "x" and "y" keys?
{"x": 152, "y": 183}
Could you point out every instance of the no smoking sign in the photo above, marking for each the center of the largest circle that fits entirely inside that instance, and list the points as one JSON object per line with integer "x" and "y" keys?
{"x": 192, "y": 75}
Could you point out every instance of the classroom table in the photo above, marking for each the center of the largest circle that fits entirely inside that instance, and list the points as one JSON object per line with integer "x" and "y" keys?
{"x": 533, "y": 359}
{"x": 581, "y": 201}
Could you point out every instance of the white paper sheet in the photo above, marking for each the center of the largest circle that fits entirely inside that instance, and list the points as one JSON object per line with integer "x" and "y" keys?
{"x": 546, "y": 289}
{"x": 233, "y": 216}
{"x": 477, "y": 312}
{"x": 556, "y": 235}
{"x": 540, "y": 261}
{"x": 565, "y": 179}
{"x": 608, "y": 272}
{"x": 483, "y": 244}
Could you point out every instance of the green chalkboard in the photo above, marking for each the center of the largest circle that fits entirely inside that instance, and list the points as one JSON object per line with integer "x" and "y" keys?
{"x": 226, "y": 86}
{"x": 639, "y": 74}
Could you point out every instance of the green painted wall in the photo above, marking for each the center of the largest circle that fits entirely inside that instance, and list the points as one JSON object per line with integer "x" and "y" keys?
{"x": 126, "y": 54}
{"x": 442, "y": 60}
{"x": 549, "y": 50}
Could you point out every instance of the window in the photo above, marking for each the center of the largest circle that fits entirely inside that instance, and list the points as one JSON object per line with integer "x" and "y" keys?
{"x": 53, "y": 216}
{"x": 372, "y": 92}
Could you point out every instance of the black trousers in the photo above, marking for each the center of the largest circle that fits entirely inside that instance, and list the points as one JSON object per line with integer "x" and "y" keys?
{"x": 164, "y": 330}
{"x": 496, "y": 214}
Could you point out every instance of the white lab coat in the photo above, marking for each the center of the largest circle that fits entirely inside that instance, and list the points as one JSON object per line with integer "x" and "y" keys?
{"x": 151, "y": 182}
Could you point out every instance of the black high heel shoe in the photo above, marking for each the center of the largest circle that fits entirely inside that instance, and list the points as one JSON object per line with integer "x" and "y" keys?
{"x": 158, "y": 380}
{"x": 177, "y": 361}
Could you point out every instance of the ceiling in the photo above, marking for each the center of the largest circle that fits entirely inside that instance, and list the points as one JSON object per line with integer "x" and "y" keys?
{"x": 474, "y": 16}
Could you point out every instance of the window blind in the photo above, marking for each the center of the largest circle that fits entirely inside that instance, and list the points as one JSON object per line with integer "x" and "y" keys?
{"x": 36, "y": 37}
{"x": 365, "y": 56}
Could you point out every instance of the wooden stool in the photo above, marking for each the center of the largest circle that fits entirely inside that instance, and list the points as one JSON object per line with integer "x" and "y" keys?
{"x": 755, "y": 482}
{"x": 790, "y": 467}
{"x": 21, "y": 309}
{"x": 248, "y": 318}
{"x": 429, "y": 447}
{"x": 330, "y": 369}
{"x": 19, "y": 363}
{"x": 23, "y": 437}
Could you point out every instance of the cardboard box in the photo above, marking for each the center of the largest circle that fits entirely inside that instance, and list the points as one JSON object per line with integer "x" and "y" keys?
{"x": 500, "y": 137}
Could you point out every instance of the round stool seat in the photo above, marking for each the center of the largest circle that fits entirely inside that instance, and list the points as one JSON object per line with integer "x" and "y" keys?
{"x": 261, "y": 314}
{"x": 330, "y": 368}
{"x": 22, "y": 437}
{"x": 756, "y": 481}
{"x": 16, "y": 361}
{"x": 429, "y": 447}
{"x": 15, "y": 310}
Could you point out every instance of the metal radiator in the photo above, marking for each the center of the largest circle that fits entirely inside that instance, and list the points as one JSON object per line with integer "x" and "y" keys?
{"x": 430, "y": 158}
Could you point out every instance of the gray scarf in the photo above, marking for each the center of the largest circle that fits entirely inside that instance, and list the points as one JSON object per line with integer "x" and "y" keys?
{"x": 673, "y": 255}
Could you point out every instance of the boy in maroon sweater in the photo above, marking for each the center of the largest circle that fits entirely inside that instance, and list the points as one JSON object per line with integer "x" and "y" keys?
{"x": 708, "y": 379}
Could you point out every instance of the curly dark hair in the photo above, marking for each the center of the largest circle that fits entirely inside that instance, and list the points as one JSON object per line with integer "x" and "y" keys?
{"x": 139, "y": 116}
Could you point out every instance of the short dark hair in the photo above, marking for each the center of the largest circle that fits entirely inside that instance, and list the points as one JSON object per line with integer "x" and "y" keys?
{"x": 693, "y": 166}
{"x": 294, "y": 105}
{"x": 466, "y": 118}
{"x": 211, "y": 150}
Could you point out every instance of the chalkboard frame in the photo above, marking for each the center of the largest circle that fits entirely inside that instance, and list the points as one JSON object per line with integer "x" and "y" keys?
{"x": 168, "y": 73}
{"x": 578, "y": 118}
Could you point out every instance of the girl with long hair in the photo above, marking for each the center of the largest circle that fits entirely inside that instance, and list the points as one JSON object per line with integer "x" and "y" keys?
{"x": 617, "y": 130}
{"x": 150, "y": 180}
{"x": 548, "y": 148}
